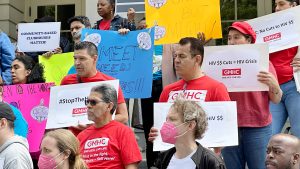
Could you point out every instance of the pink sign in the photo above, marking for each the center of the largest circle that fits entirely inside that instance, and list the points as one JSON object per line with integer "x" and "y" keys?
{"x": 33, "y": 101}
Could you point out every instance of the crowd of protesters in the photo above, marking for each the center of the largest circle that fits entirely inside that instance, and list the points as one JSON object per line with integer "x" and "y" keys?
{"x": 111, "y": 144}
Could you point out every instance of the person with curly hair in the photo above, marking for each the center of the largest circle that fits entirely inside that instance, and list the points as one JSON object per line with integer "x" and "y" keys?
{"x": 24, "y": 70}
{"x": 186, "y": 121}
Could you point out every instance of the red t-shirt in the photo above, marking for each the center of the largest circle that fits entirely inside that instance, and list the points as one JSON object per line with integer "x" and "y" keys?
{"x": 253, "y": 107}
{"x": 112, "y": 146}
{"x": 201, "y": 89}
{"x": 72, "y": 79}
{"x": 104, "y": 25}
{"x": 282, "y": 63}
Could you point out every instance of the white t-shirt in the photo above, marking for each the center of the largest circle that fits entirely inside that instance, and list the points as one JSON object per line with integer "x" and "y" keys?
{"x": 183, "y": 163}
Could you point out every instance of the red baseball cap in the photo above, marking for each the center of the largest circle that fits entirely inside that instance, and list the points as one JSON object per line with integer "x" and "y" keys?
{"x": 244, "y": 28}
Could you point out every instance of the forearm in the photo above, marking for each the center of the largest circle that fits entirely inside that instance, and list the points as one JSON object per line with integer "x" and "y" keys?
{"x": 122, "y": 113}
{"x": 275, "y": 94}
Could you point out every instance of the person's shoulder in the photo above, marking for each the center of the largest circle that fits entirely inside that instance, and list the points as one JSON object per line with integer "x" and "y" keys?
{"x": 212, "y": 158}
{"x": 103, "y": 76}
{"x": 174, "y": 85}
{"x": 211, "y": 82}
{"x": 69, "y": 79}
{"x": 86, "y": 132}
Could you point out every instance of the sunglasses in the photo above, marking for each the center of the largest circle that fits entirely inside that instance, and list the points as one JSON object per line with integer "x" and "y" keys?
{"x": 92, "y": 102}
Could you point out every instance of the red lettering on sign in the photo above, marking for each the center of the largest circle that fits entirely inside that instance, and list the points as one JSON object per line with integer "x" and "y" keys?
{"x": 79, "y": 111}
{"x": 272, "y": 37}
{"x": 230, "y": 72}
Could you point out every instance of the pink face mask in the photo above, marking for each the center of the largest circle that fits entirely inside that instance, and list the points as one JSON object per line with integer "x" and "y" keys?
{"x": 169, "y": 132}
{"x": 48, "y": 162}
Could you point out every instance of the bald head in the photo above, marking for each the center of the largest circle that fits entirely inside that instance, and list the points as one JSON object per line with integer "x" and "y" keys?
{"x": 283, "y": 152}
{"x": 291, "y": 141}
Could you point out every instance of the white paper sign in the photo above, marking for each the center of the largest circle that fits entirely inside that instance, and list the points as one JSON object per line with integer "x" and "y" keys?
{"x": 67, "y": 104}
{"x": 222, "y": 124}
{"x": 281, "y": 30}
{"x": 237, "y": 66}
{"x": 35, "y": 37}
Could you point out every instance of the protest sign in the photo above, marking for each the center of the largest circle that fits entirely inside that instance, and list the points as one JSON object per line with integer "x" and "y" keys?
{"x": 281, "y": 30}
{"x": 237, "y": 66}
{"x": 57, "y": 66}
{"x": 181, "y": 18}
{"x": 222, "y": 124}
{"x": 125, "y": 57}
{"x": 67, "y": 104}
{"x": 33, "y": 102}
{"x": 33, "y": 37}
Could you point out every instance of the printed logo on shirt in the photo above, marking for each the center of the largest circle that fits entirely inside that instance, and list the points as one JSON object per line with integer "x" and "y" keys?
{"x": 97, "y": 142}
{"x": 193, "y": 95}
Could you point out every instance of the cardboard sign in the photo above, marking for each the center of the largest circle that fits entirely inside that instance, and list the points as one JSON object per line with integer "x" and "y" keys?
{"x": 176, "y": 19}
{"x": 33, "y": 102}
{"x": 281, "y": 30}
{"x": 57, "y": 66}
{"x": 222, "y": 124}
{"x": 67, "y": 104}
{"x": 33, "y": 37}
{"x": 125, "y": 57}
{"x": 237, "y": 66}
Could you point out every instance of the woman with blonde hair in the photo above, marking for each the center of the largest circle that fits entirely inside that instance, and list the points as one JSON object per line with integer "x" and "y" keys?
{"x": 60, "y": 149}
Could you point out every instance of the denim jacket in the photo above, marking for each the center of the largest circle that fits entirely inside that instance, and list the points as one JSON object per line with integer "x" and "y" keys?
{"x": 117, "y": 23}
{"x": 7, "y": 55}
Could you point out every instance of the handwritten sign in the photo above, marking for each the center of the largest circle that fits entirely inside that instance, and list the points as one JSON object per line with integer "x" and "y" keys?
{"x": 57, "y": 66}
{"x": 33, "y": 101}
{"x": 222, "y": 124}
{"x": 33, "y": 37}
{"x": 176, "y": 19}
{"x": 125, "y": 57}
{"x": 67, "y": 104}
{"x": 237, "y": 66}
{"x": 281, "y": 30}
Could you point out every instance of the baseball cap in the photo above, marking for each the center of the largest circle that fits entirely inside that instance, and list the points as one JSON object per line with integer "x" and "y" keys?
{"x": 244, "y": 28}
{"x": 6, "y": 112}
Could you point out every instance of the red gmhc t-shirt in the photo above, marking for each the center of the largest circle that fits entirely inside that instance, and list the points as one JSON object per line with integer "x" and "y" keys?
{"x": 253, "y": 107}
{"x": 282, "y": 63}
{"x": 201, "y": 89}
{"x": 112, "y": 146}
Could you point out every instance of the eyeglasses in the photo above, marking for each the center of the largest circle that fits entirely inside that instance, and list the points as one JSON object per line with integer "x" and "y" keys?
{"x": 93, "y": 102}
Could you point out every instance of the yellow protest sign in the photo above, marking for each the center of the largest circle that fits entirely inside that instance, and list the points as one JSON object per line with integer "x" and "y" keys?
{"x": 57, "y": 66}
{"x": 176, "y": 19}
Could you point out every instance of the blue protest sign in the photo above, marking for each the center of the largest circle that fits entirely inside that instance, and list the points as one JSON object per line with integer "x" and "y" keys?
{"x": 125, "y": 57}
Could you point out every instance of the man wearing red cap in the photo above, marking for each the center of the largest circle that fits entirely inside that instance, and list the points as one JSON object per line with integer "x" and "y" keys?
{"x": 254, "y": 118}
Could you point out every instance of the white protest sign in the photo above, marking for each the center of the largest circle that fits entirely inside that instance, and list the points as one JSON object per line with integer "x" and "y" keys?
{"x": 35, "y": 37}
{"x": 281, "y": 30}
{"x": 67, "y": 104}
{"x": 222, "y": 124}
{"x": 237, "y": 66}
